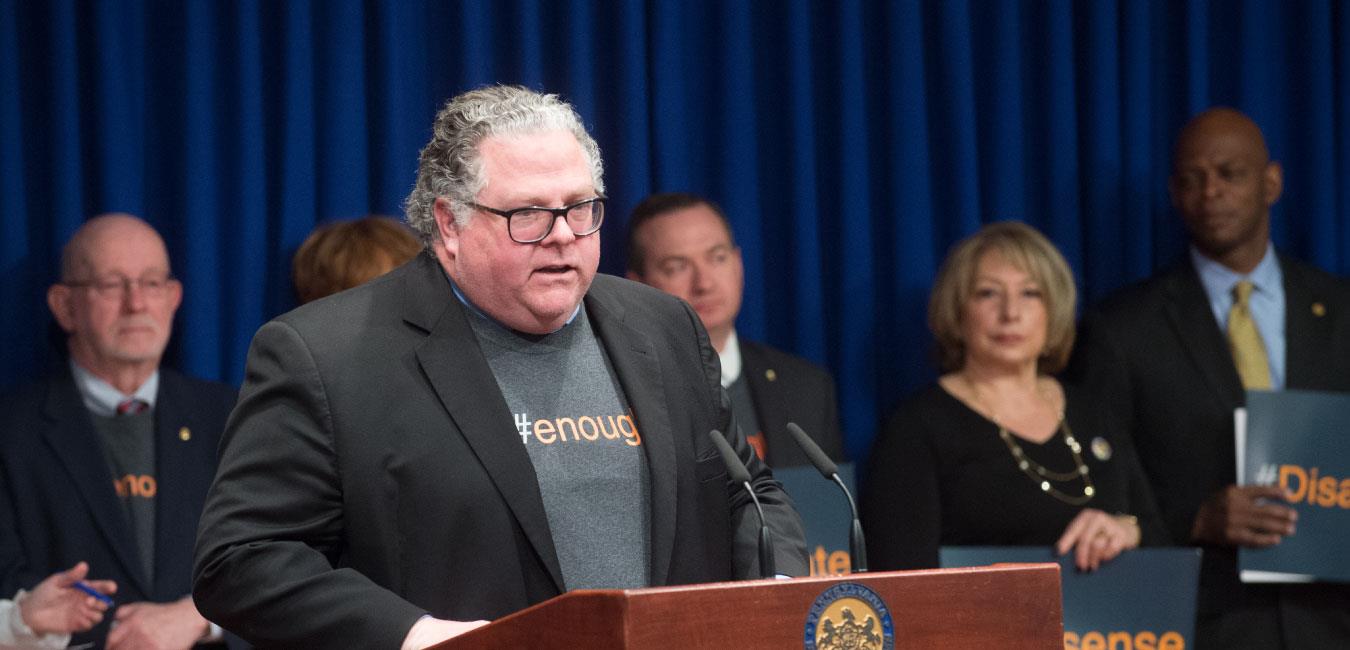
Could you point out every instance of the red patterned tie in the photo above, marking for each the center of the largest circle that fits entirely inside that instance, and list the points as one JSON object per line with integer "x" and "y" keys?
{"x": 132, "y": 407}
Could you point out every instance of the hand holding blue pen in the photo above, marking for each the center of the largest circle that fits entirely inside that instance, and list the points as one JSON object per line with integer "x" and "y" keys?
{"x": 56, "y": 606}
{"x": 86, "y": 588}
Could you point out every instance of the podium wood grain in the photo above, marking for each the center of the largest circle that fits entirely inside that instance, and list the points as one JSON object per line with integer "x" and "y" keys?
{"x": 1006, "y": 606}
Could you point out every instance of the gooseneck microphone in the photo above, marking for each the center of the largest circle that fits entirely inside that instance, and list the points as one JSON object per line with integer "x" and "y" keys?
{"x": 741, "y": 475}
{"x": 857, "y": 548}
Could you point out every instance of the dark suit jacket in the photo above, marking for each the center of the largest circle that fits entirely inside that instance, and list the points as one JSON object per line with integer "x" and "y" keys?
{"x": 1157, "y": 354}
{"x": 57, "y": 504}
{"x": 787, "y": 388}
{"x": 372, "y": 471}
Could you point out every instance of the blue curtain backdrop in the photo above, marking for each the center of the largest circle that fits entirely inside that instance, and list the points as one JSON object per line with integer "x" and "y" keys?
{"x": 850, "y": 141}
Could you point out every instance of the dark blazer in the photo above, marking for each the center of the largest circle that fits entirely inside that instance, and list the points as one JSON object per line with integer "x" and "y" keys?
{"x": 1156, "y": 353}
{"x": 787, "y": 388}
{"x": 372, "y": 472}
{"x": 57, "y": 503}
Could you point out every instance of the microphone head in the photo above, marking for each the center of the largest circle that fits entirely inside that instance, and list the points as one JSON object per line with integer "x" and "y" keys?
{"x": 823, "y": 464}
{"x": 734, "y": 465}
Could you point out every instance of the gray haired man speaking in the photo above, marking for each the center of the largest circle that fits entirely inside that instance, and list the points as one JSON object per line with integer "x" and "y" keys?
{"x": 483, "y": 428}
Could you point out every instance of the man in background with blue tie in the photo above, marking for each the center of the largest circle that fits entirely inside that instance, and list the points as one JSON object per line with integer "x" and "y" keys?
{"x": 1172, "y": 356}
{"x": 108, "y": 459}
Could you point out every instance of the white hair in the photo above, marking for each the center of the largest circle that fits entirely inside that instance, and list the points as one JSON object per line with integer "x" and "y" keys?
{"x": 451, "y": 165}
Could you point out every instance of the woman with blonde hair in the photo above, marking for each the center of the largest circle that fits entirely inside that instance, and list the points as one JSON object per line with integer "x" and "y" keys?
{"x": 998, "y": 452}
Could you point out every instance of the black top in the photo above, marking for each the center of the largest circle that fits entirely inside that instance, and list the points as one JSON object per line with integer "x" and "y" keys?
{"x": 940, "y": 475}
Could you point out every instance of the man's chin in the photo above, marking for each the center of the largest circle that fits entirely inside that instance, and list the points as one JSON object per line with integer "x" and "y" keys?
{"x": 714, "y": 318}
{"x": 138, "y": 353}
{"x": 1215, "y": 245}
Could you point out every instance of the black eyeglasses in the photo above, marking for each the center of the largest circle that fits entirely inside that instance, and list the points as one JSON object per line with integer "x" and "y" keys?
{"x": 531, "y": 224}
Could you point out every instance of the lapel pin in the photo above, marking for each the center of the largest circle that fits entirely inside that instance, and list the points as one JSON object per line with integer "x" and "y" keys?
{"x": 1319, "y": 310}
{"x": 770, "y": 374}
{"x": 184, "y": 434}
{"x": 1101, "y": 449}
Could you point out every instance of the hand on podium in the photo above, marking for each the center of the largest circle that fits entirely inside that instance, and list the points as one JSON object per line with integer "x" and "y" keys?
{"x": 429, "y": 631}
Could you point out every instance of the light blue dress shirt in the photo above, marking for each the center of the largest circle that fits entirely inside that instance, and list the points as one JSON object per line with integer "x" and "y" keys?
{"x": 1267, "y": 302}
{"x": 102, "y": 399}
{"x": 454, "y": 288}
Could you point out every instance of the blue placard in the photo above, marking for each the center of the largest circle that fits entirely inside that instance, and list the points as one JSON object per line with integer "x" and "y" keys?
{"x": 1144, "y": 598}
{"x": 825, "y": 515}
{"x": 1300, "y": 440}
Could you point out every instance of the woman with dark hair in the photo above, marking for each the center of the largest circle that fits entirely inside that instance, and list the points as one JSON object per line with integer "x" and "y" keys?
{"x": 998, "y": 452}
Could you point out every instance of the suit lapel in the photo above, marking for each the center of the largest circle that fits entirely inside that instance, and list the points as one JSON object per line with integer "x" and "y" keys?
{"x": 178, "y": 462}
{"x": 768, "y": 410}
{"x": 76, "y": 443}
{"x": 1307, "y": 331}
{"x": 458, "y": 372}
{"x": 1188, "y": 309}
{"x": 635, "y": 363}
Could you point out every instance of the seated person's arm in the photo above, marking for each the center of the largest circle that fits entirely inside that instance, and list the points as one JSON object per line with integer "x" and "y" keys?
{"x": 55, "y": 608}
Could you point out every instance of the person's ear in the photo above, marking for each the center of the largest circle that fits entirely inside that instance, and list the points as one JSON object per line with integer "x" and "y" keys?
{"x": 174, "y": 295}
{"x": 1174, "y": 191}
{"x": 445, "y": 226}
{"x": 1272, "y": 182}
{"x": 59, "y": 301}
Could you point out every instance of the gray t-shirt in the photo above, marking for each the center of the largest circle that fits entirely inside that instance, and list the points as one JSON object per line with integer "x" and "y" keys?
{"x": 129, "y": 445}
{"x": 586, "y": 449}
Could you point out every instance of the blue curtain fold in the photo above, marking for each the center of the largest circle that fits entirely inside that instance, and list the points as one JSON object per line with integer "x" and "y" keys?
{"x": 850, "y": 142}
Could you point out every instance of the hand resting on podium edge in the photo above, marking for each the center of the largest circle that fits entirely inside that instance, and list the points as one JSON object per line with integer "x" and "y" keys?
{"x": 429, "y": 631}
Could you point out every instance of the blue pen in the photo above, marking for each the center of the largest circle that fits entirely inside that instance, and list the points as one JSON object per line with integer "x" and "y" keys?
{"x": 84, "y": 586}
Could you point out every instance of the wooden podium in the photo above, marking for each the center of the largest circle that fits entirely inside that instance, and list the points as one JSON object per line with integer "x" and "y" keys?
{"x": 1005, "y": 606}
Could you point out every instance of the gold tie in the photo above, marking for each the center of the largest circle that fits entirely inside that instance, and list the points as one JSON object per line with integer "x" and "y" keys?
{"x": 1249, "y": 353}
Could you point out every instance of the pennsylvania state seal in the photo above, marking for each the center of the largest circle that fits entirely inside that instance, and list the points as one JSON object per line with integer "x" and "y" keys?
{"x": 849, "y": 616}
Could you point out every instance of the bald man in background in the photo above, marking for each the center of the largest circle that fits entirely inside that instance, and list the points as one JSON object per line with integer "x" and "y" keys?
{"x": 1159, "y": 354}
{"x": 682, "y": 244}
{"x": 107, "y": 460}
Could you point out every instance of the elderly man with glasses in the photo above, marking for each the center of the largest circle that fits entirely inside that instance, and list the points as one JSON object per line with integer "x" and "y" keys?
{"x": 484, "y": 428}
{"x": 108, "y": 459}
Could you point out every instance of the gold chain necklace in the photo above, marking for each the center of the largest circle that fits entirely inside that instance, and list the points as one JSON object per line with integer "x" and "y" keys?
{"x": 1035, "y": 471}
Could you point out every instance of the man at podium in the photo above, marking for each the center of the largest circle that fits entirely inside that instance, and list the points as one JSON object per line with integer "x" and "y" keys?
{"x": 483, "y": 428}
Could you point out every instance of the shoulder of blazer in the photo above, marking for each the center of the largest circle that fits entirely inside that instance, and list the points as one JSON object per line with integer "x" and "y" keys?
{"x": 1150, "y": 293}
{"x": 196, "y": 400}
{"x": 624, "y": 298}
{"x": 31, "y": 408}
{"x": 1319, "y": 284}
{"x": 416, "y": 294}
{"x": 22, "y": 398}
{"x": 758, "y": 355}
